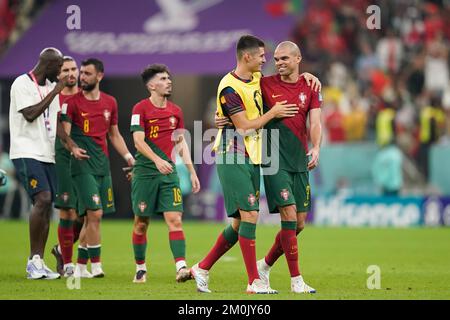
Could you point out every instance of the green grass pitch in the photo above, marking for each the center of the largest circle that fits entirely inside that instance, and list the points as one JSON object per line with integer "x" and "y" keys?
{"x": 414, "y": 264}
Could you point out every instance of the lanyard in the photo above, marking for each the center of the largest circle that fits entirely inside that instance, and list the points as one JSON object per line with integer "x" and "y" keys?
{"x": 46, "y": 114}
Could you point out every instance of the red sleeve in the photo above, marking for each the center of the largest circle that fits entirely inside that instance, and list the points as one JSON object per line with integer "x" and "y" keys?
{"x": 68, "y": 110}
{"x": 180, "y": 120}
{"x": 137, "y": 118}
{"x": 114, "y": 113}
{"x": 316, "y": 100}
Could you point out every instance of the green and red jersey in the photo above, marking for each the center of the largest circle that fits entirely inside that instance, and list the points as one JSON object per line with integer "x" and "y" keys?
{"x": 91, "y": 121}
{"x": 293, "y": 136}
{"x": 159, "y": 125}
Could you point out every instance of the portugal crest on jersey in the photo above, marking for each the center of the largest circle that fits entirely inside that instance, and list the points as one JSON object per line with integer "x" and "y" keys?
{"x": 302, "y": 98}
{"x": 142, "y": 206}
{"x": 284, "y": 194}
{"x": 65, "y": 197}
{"x": 96, "y": 199}
{"x": 251, "y": 199}
{"x": 173, "y": 122}
{"x": 107, "y": 115}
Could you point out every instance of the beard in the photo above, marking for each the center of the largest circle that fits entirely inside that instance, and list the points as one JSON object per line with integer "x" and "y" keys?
{"x": 71, "y": 85}
{"x": 88, "y": 86}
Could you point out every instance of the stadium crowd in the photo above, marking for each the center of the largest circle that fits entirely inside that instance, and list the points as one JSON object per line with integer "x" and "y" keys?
{"x": 381, "y": 83}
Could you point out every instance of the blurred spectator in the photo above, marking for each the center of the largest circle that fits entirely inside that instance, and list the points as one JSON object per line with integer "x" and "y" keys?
{"x": 366, "y": 63}
{"x": 7, "y": 21}
{"x": 385, "y": 125}
{"x": 432, "y": 127}
{"x": 387, "y": 171}
{"x": 355, "y": 122}
{"x": 390, "y": 52}
{"x": 8, "y": 189}
{"x": 334, "y": 123}
{"x": 436, "y": 66}
{"x": 415, "y": 77}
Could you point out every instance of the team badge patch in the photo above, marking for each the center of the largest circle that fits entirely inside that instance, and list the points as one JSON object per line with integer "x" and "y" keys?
{"x": 284, "y": 194}
{"x": 173, "y": 122}
{"x": 33, "y": 183}
{"x": 107, "y": 115}
{"x": 142, "y": 206}
{"x": 135, "y": 119}
{"x": 302, "y": 98}
{"x": 251, "y": 199}
{"x": 65, "y": 197}
{"x": 96, "y": 199}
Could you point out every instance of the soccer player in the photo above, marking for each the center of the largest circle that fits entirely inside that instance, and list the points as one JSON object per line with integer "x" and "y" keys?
{"x": 238, "y": 159}
{"x": 70, "y": 225}
{"x": 90, "y": 116}
{"x": 33, "y": 127}
{"x": 157, "y": 126}
{"x": 288, "y": 191}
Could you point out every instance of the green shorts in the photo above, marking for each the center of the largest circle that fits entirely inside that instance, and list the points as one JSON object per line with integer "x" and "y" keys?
{"x": 288, "y": 188}
{"x": 94, "y": 193}
{"x": 66, "y": 197}
{"x": 156, "y": 195}
{"x": 240, "y": 185}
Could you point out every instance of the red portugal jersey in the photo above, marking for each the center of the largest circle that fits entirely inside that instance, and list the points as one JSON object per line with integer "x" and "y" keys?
{"x": 293, "y": 137}
{"x": 159, "y": 125}
{"x": 91, "y": 121}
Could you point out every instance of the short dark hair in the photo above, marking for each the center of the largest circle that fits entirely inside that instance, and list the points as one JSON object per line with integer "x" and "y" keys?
{"x": 98, "y": 64}
{"x": 247, "y": 42}
{"x": 68, "y": 58}
{"x": 152, "y": 70}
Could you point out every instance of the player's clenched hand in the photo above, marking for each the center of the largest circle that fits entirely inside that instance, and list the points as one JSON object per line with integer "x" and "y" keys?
{"x": 131, "y": 161}
{"x": 221, "y": 122}
{"x": 312, "y": 81}
{"x": 283, "y": 110}
{"x": 62, "y": 83}
{"x": 314, "y": 153}
{"x": 195, "y": 183}
{"x": 79, "y": 154}
{"x": 163, "y": 166}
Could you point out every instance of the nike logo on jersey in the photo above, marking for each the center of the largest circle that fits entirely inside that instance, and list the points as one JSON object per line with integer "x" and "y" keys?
{"x": 154, "y": 120}
{"x": 84, "y": 114}
{"x": 109, "y": 205}
{"x": 176, "y": 204}
{"x": 276, "y": 96}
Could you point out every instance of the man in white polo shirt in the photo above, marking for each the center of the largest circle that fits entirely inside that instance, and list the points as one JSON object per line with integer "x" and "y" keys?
{"x": 33, "y": 127}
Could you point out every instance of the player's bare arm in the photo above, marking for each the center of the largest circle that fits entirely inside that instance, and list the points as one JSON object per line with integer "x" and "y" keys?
{"x": 279, "y": 110}
{"x": 139, "y": 142}
{"x": 184, "y": 153}
{"x": 31, "y": 113}
{"x": 63, "y": 130}
{"x": 119, "y": 144}
{"x": 316, "y": 137}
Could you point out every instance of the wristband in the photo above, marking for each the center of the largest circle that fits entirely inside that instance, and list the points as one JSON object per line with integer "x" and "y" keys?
{"x": 128, "y": 156}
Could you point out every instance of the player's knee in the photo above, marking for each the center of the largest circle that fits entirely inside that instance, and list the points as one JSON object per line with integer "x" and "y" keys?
{"x": 288, "y": 213}
{"x": 140, "y": 227}
{"x": 43, "y": 200}
{"x": 94, "y": 217}
{"x": 175, "y": 223}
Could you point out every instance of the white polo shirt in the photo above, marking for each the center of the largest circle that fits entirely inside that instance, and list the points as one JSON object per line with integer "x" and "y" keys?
{"x": 35, "y": 139}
